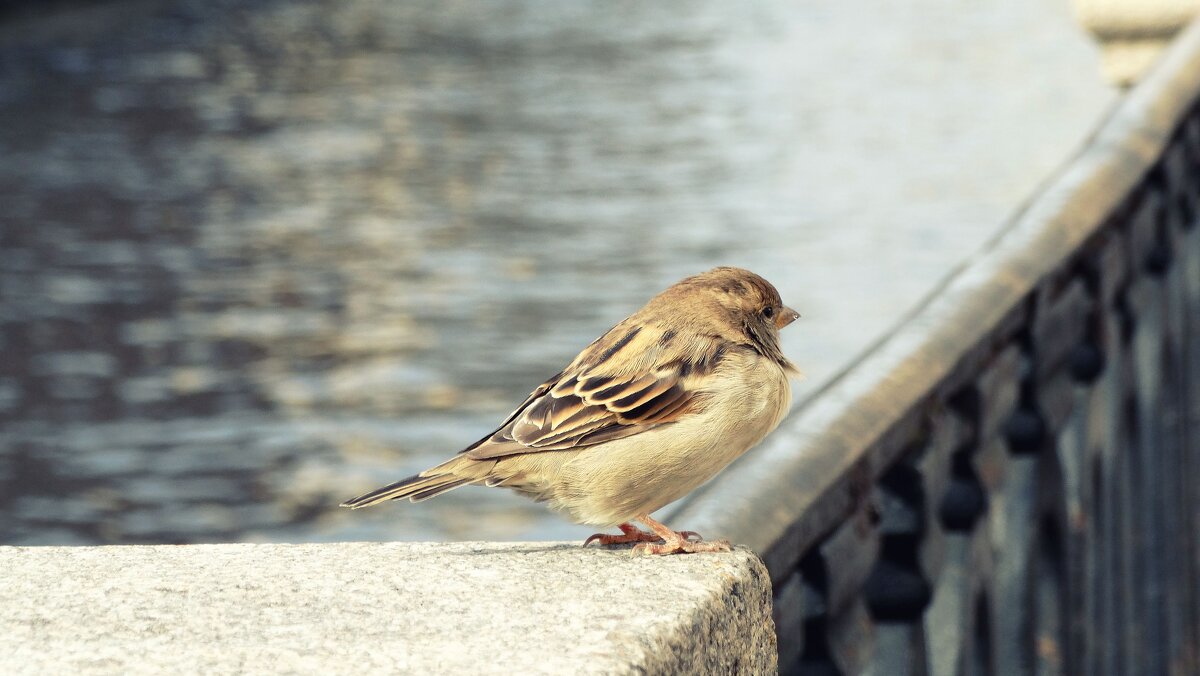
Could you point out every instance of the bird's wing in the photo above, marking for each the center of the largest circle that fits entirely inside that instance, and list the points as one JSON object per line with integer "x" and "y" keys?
{"x": 601, "y": 397}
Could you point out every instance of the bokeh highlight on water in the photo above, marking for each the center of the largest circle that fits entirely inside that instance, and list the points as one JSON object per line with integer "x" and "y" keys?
{"x": 258, "y": 257}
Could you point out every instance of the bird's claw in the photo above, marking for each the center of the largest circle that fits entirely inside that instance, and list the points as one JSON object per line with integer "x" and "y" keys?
{"x": 662, "y": 541}
{"x": 628, "y": 534}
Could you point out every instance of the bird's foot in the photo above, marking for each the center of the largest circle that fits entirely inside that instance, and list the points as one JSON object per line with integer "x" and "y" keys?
{"x": 629, "y": 533}
{"x": 661, "y": 539}
{"x": 683, "y": 544}
{"x": 677, "y": 542}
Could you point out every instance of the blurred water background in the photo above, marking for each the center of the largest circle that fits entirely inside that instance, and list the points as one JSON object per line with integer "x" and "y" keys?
{"x": 257, "y": 257}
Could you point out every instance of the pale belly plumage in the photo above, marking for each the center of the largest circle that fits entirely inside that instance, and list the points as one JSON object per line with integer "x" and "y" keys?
{"x": 614, "y": 482}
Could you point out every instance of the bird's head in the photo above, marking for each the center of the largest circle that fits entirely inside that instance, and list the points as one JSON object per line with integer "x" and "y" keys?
{"x": 739, "y": 304}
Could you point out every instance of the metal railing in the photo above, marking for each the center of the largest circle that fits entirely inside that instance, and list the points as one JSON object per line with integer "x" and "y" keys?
{"x": 1009, "y": 483}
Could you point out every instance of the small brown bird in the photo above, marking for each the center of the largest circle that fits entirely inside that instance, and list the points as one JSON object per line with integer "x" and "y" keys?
{"x": 646, "y": 413}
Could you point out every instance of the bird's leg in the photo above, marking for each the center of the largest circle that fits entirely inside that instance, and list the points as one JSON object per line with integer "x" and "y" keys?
{"x": 631, "y": 534}
{"x": 677, "y": 542}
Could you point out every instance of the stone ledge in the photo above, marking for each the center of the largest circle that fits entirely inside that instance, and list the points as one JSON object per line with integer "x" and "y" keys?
{"x": 535, "y": 608}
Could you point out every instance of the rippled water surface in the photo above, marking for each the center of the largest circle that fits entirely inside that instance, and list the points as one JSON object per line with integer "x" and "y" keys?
{"x": 258, "y": 257}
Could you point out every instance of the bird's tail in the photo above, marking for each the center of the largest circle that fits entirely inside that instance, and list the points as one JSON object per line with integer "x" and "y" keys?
{"x": 430, "y": 483}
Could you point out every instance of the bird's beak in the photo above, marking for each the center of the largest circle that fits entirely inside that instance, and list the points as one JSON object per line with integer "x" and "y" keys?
{"x": 786, "y": 316}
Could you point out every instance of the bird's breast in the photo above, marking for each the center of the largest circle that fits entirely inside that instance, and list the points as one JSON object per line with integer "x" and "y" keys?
{"x": 746, "y": 398}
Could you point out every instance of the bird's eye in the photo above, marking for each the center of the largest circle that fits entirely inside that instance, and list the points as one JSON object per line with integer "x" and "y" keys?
{"x": 769, "y": 312}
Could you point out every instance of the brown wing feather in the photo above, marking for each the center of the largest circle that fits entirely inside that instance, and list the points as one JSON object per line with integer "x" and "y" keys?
{"x": 588, "y": 403}
{"x": 533, "y": 396}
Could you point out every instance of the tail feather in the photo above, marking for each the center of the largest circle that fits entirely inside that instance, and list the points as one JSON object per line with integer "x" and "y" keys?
{"x": 434, "y": 491}
{"x": 415, "y": 488}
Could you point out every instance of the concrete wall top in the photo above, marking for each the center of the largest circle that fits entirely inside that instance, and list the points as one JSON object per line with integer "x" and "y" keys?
{"x": 354, "y": 608}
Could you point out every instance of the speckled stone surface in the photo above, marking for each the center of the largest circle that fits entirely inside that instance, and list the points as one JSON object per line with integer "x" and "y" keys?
{"x": 541, "y": 608}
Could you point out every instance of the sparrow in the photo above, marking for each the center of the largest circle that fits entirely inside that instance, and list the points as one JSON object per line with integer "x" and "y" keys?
{"x": 652, "y": 409}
